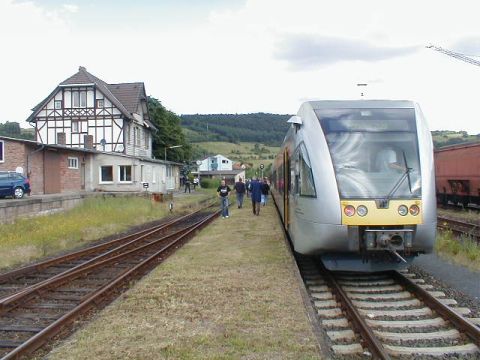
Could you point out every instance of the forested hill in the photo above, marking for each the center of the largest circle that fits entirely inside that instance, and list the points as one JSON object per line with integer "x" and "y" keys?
{"x": 268, "y": 129}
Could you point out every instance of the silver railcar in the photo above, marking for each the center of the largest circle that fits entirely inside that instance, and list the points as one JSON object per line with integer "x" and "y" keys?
{"x": 354, "y": 183}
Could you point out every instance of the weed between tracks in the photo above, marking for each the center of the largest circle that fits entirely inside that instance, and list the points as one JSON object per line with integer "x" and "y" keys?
{"x": 34, "y": 238}
{"x": 228, "y": 294}
{"x": 463, "y": 251}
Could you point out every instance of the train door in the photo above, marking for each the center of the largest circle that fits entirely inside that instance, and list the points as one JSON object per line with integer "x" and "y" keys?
{"x": 286, "y": 188}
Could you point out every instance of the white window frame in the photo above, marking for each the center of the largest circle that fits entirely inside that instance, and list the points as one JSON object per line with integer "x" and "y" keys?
{"x": 55, "y": 102}
{"x": 75, "y": 129}
{"x": 120, "y": 174}
{"x": 2, "y": 152}
{"x": 83, "y": 99}
{"x": 98, "y": 101}
{"x": 79, "y": 99}
{"x": 72, "y": 162}
{"x": 100, "y": 181}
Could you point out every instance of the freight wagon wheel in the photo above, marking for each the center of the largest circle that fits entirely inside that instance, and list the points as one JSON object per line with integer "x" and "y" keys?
{"x": 18, "y": 193}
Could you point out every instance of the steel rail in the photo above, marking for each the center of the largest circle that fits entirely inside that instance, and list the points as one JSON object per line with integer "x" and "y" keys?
{"x": 447, "y": 313}
{"x": 90, "y": 250}
{"x": 459, "y": 227}
{"x": 360, "y": 325}
{"x": 95, "y": 299}
{"x": 14, "y": 300}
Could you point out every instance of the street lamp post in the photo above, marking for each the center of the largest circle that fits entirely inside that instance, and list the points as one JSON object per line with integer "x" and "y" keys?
{"x": 169, "y": 147}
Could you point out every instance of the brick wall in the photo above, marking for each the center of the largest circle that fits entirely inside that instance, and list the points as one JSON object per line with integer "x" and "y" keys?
{"x": 14, "y": 156}
{"x": 35, "y": 167}
{"x": 70, "y": 179}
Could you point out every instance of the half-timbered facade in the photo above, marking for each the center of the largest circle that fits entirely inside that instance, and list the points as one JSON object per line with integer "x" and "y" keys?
{"x": 83, "y": 108}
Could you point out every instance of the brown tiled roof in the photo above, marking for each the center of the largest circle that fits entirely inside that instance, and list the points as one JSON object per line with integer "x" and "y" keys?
{"x": 125, "y": 96}
{"x": 129, "y": 94}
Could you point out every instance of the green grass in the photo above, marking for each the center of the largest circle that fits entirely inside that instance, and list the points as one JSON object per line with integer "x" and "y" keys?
{"x": 242, "y": 150}
{"x": 463, "y": 251}
{"x": 34, "y": 238}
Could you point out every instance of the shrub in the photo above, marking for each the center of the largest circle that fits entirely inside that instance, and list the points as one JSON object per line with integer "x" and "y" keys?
{"x": 210, "y": 183}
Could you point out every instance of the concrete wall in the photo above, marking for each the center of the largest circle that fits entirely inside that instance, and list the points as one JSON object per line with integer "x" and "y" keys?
{"x": 142, "y": 170}
{"x": 10, "y": 210}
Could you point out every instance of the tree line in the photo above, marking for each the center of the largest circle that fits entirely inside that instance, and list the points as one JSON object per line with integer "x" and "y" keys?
{"x": 13, "y": 130}
{"x": 268, "y": 129}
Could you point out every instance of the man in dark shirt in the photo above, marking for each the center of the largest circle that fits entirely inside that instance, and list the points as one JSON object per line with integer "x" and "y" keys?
{"x": 240, "y": 192}
{"x": 256, "y": 194}
{"x": 223, "y": 191}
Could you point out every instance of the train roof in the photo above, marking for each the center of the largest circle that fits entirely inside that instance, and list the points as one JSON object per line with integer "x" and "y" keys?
{"x": 457, "y": 147}
{"x": 348, "y": 104}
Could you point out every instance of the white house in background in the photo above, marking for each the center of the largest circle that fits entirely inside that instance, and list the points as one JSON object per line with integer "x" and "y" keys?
{"x": 216, "y": 163}
{"x": 113, "y": 117}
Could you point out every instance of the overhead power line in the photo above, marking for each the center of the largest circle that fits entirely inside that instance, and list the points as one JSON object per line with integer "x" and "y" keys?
{"x": 454, "y": 54}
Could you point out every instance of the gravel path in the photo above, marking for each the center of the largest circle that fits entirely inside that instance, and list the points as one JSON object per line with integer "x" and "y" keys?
{"x": 456, "y": 276}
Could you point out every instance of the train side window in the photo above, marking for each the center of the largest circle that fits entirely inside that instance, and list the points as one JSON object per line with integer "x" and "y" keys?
{"x": 304, "y": 182}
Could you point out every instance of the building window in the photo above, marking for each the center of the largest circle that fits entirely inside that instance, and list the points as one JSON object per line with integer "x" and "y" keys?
{"x": 58, "y": 104}
{"x": 79, "y": 99}
{"x": 100, "y": 103}
{"x": 147, "y": 140}
{"x": 75, "y": 126}
{"x": 73, "y": 163}
{"x": 125, "y": 173}
{"x": 224, "y": 161}
{"x": 137, "y": 137}
{"x": 106, "y": 174}
{"x": 2, "y": 151}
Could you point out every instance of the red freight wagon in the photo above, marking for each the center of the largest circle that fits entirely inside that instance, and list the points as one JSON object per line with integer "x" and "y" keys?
{"x": 458, "y": 174}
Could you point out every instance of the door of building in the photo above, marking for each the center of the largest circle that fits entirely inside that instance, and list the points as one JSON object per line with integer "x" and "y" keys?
{"x": 82, "y": 176}
{"x": 52, "y": 172}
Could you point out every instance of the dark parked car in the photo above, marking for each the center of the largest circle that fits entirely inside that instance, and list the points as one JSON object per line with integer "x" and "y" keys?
{"x": 13, "y": 184}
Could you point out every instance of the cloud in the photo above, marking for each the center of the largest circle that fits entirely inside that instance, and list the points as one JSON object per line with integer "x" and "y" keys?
{"x": 71, "y": 8}
{"x": 306, "y": 51}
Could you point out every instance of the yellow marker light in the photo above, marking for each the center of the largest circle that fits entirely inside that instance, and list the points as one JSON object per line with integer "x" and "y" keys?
{"x": 414, "y": 210}
{"x": 362, "y": 210}
{"x": 349, "y": 210}
{"x": 403, "y": 210}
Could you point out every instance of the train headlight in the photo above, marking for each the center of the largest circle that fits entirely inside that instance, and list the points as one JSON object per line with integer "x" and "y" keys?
{"x": 349, "y": 210}
{"x": 403, "y": 210}
{"x": 414, "y": 210}
{"x": 362, "y": 210}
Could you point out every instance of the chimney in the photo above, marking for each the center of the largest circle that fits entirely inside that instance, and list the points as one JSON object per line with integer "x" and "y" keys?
{"x": 61, "y": 139}
{"x": 82, "y": 68}
{"x": 88, "y": 142}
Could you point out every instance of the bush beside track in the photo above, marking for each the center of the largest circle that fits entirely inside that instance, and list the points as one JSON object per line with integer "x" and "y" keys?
{"x": 31, "y": 239}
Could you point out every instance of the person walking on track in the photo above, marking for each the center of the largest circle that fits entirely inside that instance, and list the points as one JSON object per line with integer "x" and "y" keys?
{"x": 240, "y": 192}
{"x": 265, "y": 191}
{"x": 223, "y": 191}
{"x": 256, "y": 194}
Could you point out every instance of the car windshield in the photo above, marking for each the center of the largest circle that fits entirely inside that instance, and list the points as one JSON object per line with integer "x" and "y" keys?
{"x": 371, "y": 150}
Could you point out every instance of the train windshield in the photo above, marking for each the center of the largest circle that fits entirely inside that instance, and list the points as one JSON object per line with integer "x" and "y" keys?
{"x": 374, "y": 151}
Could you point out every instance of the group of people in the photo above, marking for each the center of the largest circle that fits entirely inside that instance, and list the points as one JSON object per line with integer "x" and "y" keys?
{"x": 256, "y": 189}
{"x": 186, "y": 183}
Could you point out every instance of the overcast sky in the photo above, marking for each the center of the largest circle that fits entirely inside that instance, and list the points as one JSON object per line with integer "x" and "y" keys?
{"x": 240, "y": 56}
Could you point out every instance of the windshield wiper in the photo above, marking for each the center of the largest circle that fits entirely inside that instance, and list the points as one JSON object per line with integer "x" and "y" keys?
{"x": 406, "y": 175}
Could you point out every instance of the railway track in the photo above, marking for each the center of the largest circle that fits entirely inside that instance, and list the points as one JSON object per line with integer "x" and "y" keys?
{"x": 38, "y": 301}
{"x": 459, "y": 228}
{"x": 389, "y": 315}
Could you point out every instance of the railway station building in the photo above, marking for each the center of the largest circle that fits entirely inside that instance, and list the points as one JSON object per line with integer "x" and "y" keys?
{"x": 90, "y": 136}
